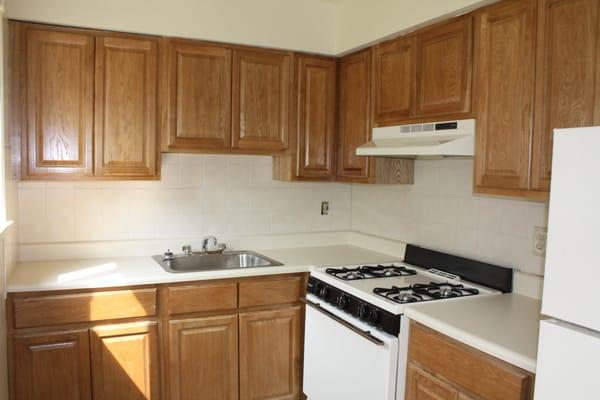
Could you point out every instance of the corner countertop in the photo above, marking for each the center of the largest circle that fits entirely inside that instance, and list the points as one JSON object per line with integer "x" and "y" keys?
{"x": 130, "y": 271}
{"x": 505, "y": 326}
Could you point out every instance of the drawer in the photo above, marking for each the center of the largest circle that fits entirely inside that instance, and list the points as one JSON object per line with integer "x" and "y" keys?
{"x": 261, "y": 292}
{"x": 203, "y": 297}
{"x": 72, "y": 308}
{"x": 458, "y": 363}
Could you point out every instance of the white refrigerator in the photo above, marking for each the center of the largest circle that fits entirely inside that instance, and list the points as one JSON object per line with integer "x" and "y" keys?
{"x": 568, "y": 365}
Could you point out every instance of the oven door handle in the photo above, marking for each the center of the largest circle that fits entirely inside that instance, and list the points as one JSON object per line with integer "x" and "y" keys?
{"x": 366, "y": 334}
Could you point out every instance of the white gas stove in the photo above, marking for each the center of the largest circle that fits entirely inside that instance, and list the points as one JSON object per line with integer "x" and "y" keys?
{"x": 356, "y": 337}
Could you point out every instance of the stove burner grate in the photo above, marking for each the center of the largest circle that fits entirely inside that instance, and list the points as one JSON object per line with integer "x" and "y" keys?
{"x": 370, "y": 272}
{"x": 424, "y": 292}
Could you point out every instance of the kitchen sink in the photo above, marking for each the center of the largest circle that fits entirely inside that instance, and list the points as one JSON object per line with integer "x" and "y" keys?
{"x": 215, "y": 261}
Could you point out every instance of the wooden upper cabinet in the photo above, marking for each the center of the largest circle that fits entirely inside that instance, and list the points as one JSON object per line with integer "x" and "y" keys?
{"x": 270, "y": 360}
{"x": 505, "y": 52}
{"x": 51, "y": 366}
{"x": 568, "y": 73}
{"x": 54, "y": 97}
{"x": 126, "y": 106}
{"x": 124, "y": 360}
{"x": 316, "y": 116}
{"x": 261, "y": 97}
{"x": 203, "y": 358}
{"x": 198, "y": 95}
{"x": 394, "y": 79}
{"x": 444, "y": 68}
{"x": 355, "y": 115}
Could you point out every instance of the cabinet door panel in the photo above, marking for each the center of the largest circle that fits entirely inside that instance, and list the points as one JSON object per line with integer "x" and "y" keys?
{"x": 59, "y": 73}
{"x": 505, "y": 94}
{"x": 445, "y": 61}
{"x": 126, "y": 106}
{"x": 199, "y": 95}
{"x": 125, "y": 362}
{"x": 568, "y": 92}
{"x": 261, "y": 95}
{"x": 422, "y": 386}
{"x": 394, "y": 79}
{"x": 270, "y": 354}
{"x": 203, "y": 358}
{"x": 316, "y": 116}
{"x": 355, "y": 112}
{"x": 52, "y": 366}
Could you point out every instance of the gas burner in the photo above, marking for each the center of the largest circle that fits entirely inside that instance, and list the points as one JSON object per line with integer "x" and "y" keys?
{"x": 444, "y": 290}
{"x": 370, "y": 272}
{"x": 401, "y": 295}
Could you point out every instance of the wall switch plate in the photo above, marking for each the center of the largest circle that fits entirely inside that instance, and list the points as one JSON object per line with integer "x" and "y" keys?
{"x": 540, "y": 236}
{"x": 324, "y": 208}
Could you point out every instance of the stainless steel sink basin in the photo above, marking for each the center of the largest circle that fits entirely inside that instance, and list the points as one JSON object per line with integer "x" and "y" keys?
{"x": 215, "y": 261}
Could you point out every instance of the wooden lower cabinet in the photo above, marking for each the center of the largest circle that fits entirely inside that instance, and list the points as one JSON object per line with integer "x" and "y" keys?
{"x": 270, "y": 363}
{"x": 203, "y": 358}
{"x": 440, "y": 368}
{"x": 125, "y": 362}
{"x": 51, "y": 366}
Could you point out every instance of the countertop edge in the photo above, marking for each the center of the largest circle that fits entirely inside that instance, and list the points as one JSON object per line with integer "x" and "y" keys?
{"x": 474, "y": 341}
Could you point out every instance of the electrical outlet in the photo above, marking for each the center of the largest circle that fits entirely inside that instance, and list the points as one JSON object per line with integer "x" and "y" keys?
{"x": 324, "y": 208}
{"x": 540, "y": 236}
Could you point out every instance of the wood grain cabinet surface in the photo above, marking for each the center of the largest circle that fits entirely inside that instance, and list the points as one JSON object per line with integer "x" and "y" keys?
{"x": 261, "y": 99}
{"x": 125, "y": 362}
{"x": 444, "y": 68}
{"x": 197, "y": 85}
{"x": 84, "y": 103}
{"x": 52, "y": 365}
{"x": 568, "y": 76}
{"x": 126, "y": 109}
{"x": 441, "y": 368}
{"x": 52, "y": 99}
{"x": 216, "y": 339}
{"x": 313, "y": 132}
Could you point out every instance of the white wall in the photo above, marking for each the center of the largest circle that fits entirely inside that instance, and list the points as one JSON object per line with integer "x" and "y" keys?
{"x": 440, "y": 211}
{"x": 197, "y": 195}
{"x": 292, "y": 24}
{"x": 359, "y": 22}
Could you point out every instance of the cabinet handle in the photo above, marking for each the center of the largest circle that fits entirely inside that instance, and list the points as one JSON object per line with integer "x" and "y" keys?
{"x": 366, "y": 334}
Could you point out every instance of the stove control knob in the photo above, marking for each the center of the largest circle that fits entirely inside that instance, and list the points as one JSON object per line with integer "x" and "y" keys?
{"x": 342, "y": 301}
{"x": 373, "y": 316}
{"x": 315, "y": 288}
{"x": 363, "y": 311}
{"x": 324, "y": 292}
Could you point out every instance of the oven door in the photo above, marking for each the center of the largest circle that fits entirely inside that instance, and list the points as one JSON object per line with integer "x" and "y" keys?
{"x": 345, "y": 358}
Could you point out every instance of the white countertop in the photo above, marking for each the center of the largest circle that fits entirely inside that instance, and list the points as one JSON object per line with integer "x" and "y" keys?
{"x": 505, "y": 326}
{"x": 129, "y": 271}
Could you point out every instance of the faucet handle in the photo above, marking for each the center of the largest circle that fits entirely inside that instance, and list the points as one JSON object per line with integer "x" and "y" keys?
{"x": 168, "y": 255}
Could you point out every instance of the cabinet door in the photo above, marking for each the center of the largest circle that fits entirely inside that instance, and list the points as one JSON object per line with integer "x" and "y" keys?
{"x": 568, "y": 68}
{"x": 126, "y": 106}
{"x": 355, "y": 113}
{"x": 270, "y": 354}
{"x": 125, "y": 362}
{"x": 505, "y": 54}
{"x": 261, "y": 96}
{"x": 444, "y": 69}
{"x": 203, "y": 358}
{"x": 394, "y": 79}
{"x": 198, "y": 95}
{"x": 422, "y": 386}
{"x": 316, "y": 116}
{"x": 52, "y": 366}
{"x": 57, "y": 69}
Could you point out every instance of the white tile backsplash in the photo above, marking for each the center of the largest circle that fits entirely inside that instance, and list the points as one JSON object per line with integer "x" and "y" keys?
{"x": 440, "y": 211}
{"x": 197, "y": 195}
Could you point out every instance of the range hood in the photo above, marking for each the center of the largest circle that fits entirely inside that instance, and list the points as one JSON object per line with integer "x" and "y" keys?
{"x": 428, "y": 140}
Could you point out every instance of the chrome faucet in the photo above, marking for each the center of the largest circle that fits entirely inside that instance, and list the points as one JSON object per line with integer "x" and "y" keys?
{"x": 214, "y": 244}
{"x": 187, "y": 250}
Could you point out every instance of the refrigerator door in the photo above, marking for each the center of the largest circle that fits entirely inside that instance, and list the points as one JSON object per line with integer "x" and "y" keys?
{"x": 568, "y": 362}
{"x": 572, "y": 259}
